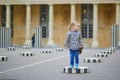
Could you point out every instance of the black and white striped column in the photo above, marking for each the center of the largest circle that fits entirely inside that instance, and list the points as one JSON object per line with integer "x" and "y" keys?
{"x": 92, "y": 60}
{"x": 106, "y": 52}
{"x": 79, "y": 70}
{"x": 115, "y": 35}
{"x": 26, "y": 47}
{"x": 59, "y": 49}
{"x": 3, "y": 58}
{"x": 27, "y": 54}
{"x": 5, "y": 37}
{"x": 38, "y": 37}
{"x": 11, "y": 48}
{"x": 48, "y": 51}
{"x": 100, "y": 55}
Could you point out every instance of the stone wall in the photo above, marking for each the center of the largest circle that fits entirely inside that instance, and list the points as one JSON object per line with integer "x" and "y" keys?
{"x": 57, "y": 1}
{"x": 106, "y": 13}
{"x": 106, "y": 17}
{"x": 61, "y": 23}
{"x": 35, "y": 18}
{"x": 19, "y": 24}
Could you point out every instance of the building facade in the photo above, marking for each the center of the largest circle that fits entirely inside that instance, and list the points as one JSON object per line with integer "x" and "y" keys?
{"x": 54, "y": 16}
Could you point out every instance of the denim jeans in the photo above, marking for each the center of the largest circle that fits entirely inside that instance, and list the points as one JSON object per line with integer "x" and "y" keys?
{"x": 74, "y": 55}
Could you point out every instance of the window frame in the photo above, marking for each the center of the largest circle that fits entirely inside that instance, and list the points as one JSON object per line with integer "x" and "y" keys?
{"x": 87, "y": 20}
{"x": 44, "y": 20}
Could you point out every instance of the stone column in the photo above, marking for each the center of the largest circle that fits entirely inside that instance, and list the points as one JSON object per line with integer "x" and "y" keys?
{"x": 28, "y": 21}
{"x": 50, "y": 40}
{"x": 73, "y": 12}
{"x": 95, "y": 26}
{"x": 7, "y": 16}
{"x": 118, "y": 18}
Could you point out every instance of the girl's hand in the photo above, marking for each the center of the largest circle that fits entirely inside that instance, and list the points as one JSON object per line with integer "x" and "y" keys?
{"x": 81, "y": 46}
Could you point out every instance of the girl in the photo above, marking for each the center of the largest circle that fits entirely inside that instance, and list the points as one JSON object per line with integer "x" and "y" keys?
{"x": 73, "y": 42}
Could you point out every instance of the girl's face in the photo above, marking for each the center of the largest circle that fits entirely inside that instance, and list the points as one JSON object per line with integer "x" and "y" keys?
{"x": 76, "y": 26}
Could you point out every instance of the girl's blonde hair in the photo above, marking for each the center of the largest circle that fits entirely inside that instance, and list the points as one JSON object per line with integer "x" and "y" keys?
{"x": 72, "y": 24}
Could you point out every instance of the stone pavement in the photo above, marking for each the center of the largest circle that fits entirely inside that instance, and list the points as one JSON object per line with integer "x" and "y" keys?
{"x": 50, "y": 66}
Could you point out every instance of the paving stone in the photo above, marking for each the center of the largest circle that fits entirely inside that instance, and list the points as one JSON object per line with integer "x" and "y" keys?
{"x": 92, "y": 60}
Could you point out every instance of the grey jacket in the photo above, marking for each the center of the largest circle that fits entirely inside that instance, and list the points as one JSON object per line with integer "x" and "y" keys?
{"x": 73, "y": 40}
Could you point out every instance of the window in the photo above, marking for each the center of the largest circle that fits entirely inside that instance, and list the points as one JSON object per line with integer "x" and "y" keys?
{"x": 4, "y": 18}
{"x": 87, "y": 20}
{"x": 44, "y": 17}
{"x": 84, "y": 30}
{"x": 11, "y": 21}
{"x": 90, "y": 30}
{"x": 44, "y": 32}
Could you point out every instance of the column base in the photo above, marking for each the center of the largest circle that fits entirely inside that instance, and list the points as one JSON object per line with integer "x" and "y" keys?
{"x": 95, "y": 44}
{"x": 51, "y": 44}
{"x": 28, "y": 42}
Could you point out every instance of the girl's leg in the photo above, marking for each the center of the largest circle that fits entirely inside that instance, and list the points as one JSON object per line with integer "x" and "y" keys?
{"x": 71, "y": 58}
{"x": 77, "y": 58}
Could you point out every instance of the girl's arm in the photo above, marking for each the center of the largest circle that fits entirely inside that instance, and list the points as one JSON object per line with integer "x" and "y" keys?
{"x": 80, "y": 40}
{"x": 67, "y": 40}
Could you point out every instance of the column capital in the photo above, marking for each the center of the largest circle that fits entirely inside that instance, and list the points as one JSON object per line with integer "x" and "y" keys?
{"x": 117, "y": 3}
{"x": 50, "y": 4}
{"x": 7, "y": 4}
{"x": 73, "y": 4}
{"x": 28, "y": 4}
{"x": 95, "y": 3}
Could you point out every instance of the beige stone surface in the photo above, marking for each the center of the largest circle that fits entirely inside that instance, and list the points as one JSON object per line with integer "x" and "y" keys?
{"x": 56, "y": 1}
{"x": 106, "y": 17}
{"x": 61, "y": 23}
{"x": 19, "y": 24}
{"x": 35, "y": 17}
{"x": 105, "y": 20}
